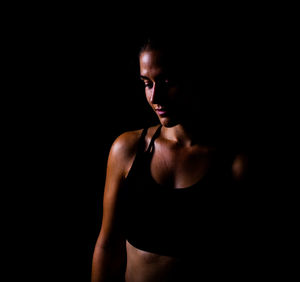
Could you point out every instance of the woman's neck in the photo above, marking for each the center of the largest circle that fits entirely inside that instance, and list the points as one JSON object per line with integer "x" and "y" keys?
{"x": 189, "y": 135}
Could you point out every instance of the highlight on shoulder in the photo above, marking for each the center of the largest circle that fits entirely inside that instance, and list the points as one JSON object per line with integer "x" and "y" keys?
{"x": 240, "y": 167}
{"x": 127, "y": 142}
{"x": 124, "y": 149}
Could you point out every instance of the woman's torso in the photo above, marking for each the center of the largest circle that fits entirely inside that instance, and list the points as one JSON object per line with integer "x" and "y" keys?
{"x": 179, "y": 210}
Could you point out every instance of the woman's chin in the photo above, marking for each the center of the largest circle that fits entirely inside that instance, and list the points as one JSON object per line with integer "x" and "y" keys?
{"x": 168, "y": 122}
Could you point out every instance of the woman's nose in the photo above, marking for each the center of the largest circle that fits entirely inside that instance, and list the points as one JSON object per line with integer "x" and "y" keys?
{"x": 158, "y": 93}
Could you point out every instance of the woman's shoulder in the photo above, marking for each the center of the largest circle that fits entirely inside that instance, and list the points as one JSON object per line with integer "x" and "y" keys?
{"x": 125, "y": 148}
{"x": 240, "y": 166}
{"x": 236, "y": 156}
{"x": 128, "y": 141}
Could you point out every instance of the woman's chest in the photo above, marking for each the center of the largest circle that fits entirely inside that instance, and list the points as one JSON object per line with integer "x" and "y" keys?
{"x": 183, "y": 168}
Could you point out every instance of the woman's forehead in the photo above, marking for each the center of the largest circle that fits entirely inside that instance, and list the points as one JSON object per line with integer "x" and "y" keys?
{"x": 150, "y": 60}
{"x": 153, "y": 57}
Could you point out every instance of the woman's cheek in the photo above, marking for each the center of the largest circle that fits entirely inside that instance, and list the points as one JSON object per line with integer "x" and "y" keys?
{"x": 148, "y": 96}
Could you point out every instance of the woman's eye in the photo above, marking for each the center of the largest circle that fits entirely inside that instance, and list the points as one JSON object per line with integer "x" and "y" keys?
{"x": 147, "y": 84}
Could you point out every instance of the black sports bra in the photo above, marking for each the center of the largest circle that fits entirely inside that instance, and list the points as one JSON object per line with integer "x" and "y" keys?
{"x": 175, "y": 222}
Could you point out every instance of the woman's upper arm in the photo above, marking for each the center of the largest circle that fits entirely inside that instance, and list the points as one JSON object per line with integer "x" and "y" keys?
{"x": 120, "y": 158}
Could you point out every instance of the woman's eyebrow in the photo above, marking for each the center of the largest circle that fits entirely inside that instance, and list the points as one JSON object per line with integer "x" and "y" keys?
{"x": 144, "y": 77}
{"x": 160, "y": 76}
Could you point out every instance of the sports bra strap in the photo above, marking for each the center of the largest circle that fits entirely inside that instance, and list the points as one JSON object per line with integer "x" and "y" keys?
{"x": 155, "y": 135}
{"x": 141, "y": 146}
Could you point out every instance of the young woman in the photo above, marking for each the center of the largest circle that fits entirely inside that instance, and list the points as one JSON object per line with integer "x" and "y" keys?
{"x": 175, "y": 201}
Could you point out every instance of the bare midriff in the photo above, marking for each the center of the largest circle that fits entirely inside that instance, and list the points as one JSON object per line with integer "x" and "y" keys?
{"x": 144, "y": 266}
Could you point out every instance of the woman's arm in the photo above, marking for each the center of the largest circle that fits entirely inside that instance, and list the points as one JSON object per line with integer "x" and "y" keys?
{"x": 109, "y": 259}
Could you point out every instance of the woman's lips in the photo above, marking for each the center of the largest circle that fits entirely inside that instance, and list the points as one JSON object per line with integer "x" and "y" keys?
{"x": 161, "y": 111}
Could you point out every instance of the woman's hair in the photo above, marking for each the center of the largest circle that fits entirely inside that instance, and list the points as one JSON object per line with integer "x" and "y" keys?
{"x": 178, "y": 51}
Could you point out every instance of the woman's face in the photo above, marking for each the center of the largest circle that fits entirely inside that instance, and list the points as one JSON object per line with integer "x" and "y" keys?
{"x": 162, "y": 91}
